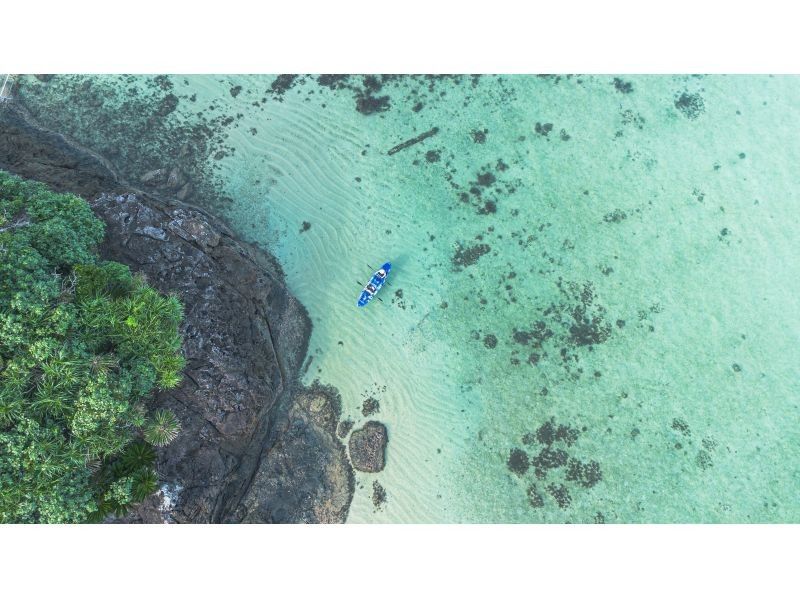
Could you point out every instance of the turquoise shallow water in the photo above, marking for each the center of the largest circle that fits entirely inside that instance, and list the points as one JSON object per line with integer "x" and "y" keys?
{"x": 594, "y": 309}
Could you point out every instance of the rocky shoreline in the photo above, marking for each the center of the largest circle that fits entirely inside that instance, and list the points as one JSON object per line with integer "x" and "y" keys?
{"x": 256, "y": 445}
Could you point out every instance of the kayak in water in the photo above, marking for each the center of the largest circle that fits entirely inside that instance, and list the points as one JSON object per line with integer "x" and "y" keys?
{"x": 376, "y": 281}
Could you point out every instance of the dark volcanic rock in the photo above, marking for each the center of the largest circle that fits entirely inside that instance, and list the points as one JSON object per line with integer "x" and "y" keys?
{"x": 244, "y": 338}
{"x": 344, "y": 428}
{"x": 304, "y": 477}
{"x": 368, "y": 446}
{"x": 36, "y": 154}
{"x": 255, "y": 445}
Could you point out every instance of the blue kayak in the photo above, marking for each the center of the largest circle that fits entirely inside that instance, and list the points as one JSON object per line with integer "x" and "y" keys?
{"x": 374, "y": 285}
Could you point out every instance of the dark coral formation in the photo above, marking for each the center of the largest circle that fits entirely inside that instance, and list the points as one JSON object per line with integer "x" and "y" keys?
{"x": 282, "y": 84}
{"x": 623, "y": 86}
{"x": 681, "y": 426}
{"x": 468, "y": 255}
{"x": 703, "y": 459}
{"x": 560, "y": 494}
{"x": 691, "y": 105}
{"x": 367, "y": 102}
{"x": 629, "y": 117}
{"x": 371, "y": 92}
{"x": 479, "y": 136}
{"x": 370, "y": 406}
{"x": 704, "y": 456}
{"x": 578, "y": 323}
{"x": 485, "y": 191}
{"x": 547, "y": 459}
{"x": 535, "y": 336}
{"x": 518, "y": 461}
{"x": 534, "y": 497}
{"x": 333, "y": 82}
{"x": 615, "y": 216}
{"x": 549, "y": 432}
{"x": 378, "y": 494}
{"x": 588, "y": 326}
{"x": 555, "y": 441}
{"x": 586, "y": 474}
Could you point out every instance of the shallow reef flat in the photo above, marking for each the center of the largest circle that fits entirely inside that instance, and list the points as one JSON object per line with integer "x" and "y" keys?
{"x": 594, "y": 307}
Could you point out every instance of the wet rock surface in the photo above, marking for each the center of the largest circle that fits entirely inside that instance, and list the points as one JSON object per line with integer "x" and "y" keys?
{"x": 255, "y": 445}
{"x": 36, "y": 154}
{"x": 305, "y": 476}
{"x": 367, "y": 447}
{"x": 146, "y": 138}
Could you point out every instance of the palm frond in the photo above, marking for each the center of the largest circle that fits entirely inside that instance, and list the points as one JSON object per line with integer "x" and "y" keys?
{"x": 163, "y": 428}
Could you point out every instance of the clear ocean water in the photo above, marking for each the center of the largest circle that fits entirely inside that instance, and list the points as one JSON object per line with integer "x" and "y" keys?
{"x": 593, "y": 313}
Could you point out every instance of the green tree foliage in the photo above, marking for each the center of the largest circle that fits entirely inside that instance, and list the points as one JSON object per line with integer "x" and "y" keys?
{"x": 83, "y": 343}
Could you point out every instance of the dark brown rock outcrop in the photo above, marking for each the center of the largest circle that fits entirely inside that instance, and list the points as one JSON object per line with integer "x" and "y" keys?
{"x": 255, "y": 445}
{"x": 368, "y": 447}
{"x": 305, "y": 476}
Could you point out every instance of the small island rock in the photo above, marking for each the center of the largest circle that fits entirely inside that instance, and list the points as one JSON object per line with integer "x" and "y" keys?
{"x": 368, "y": 447}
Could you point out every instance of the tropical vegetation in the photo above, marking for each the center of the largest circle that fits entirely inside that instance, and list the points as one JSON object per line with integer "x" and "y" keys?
{"x": 83, "y": 345}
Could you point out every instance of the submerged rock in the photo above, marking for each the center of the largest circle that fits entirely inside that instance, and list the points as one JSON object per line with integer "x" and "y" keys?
{"x": 368, "y": 447}
{"x": 378, "y": 494}
{"x": 370, "y": 406}
{"x": 468, "y": 255}
{"x": 691, "y": 105}
{"x": 518, "y": 461}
